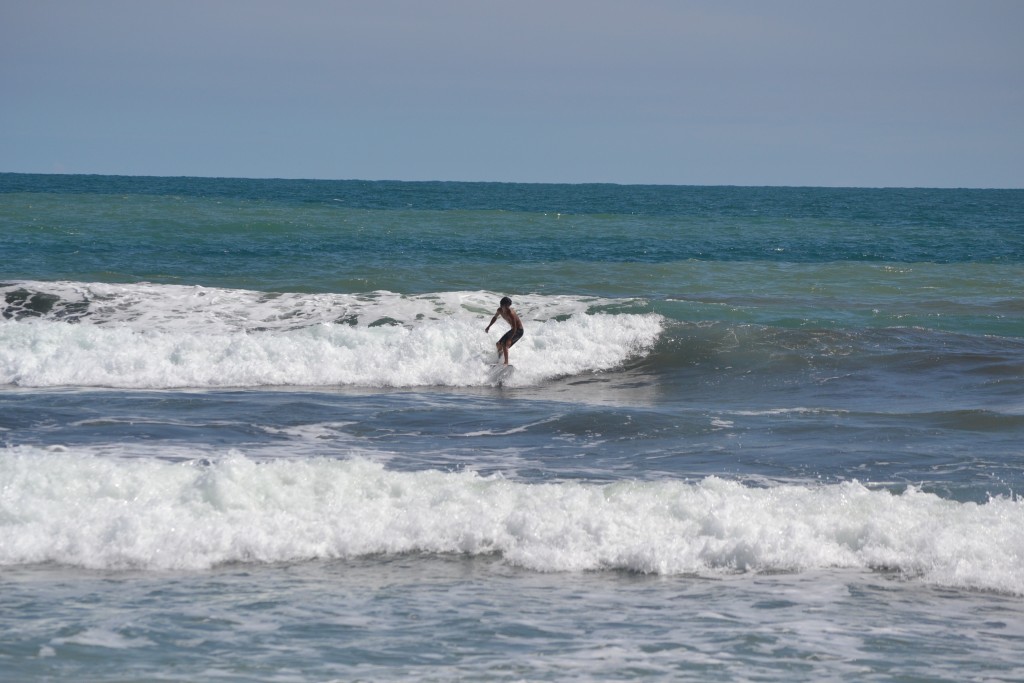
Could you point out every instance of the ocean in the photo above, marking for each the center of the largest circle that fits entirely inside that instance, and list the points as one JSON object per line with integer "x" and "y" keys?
{"x": 250, "y": 430}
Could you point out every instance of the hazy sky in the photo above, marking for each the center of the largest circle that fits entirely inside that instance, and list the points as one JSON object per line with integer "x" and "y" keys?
{"x": 781, "y": 92}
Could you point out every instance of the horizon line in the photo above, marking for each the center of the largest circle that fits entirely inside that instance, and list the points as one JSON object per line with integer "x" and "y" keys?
{"x": 512, "y": 182}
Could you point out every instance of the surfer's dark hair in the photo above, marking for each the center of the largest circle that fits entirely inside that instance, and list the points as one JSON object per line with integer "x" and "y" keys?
{"x": 505, "y": 301}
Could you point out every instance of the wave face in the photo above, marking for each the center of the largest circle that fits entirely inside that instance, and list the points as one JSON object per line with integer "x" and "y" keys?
{"x": 144, "y": 513}
{"x": 169, "y": 336}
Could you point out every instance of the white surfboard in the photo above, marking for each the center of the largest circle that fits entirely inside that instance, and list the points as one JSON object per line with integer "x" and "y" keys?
{"x": 499, "y": 372}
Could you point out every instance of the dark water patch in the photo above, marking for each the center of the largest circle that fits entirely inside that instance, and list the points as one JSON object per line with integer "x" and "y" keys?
{"x": 22, "y": 303}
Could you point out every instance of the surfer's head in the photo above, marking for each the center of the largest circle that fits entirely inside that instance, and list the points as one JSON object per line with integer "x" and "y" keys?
{"x": 505, "y": 302}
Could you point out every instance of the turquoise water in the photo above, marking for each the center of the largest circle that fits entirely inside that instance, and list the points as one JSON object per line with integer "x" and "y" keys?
{"x": 250, "y": 431}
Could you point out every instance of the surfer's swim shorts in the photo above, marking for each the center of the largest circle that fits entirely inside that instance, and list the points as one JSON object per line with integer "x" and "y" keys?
{"x": 512, "y": 336}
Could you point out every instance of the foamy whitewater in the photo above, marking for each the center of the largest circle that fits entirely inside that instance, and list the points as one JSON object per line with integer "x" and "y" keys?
{"x": 151, "y": 514}
{"x": 254, "y": 430}
{"x": 160, "y": 337}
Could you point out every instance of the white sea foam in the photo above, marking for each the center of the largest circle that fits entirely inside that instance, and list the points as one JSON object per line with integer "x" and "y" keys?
{"x": 164, "y": 336}
{"x": 79, "y": 509}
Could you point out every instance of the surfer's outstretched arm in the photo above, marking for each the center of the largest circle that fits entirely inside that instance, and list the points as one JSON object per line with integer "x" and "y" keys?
{"x": 493, "y": 318}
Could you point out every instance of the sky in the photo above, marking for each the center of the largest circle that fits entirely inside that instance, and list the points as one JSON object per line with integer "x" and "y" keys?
{"x": 872, "y": 93}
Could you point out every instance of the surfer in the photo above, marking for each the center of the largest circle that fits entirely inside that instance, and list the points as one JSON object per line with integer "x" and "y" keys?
{"x": 513, "y": 335}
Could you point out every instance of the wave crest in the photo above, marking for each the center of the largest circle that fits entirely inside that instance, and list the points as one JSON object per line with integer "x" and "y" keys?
{"x": 165, "y": 336}
{"x": 77, "y": 509}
